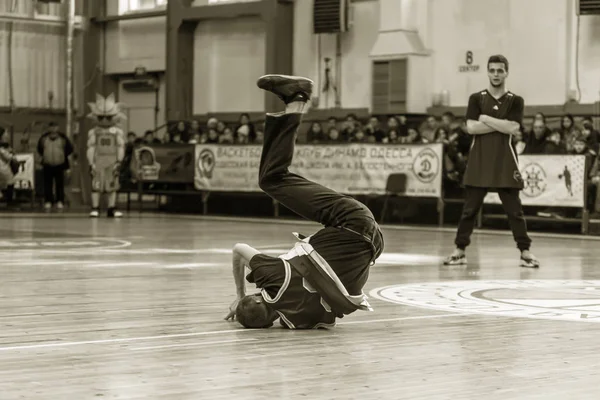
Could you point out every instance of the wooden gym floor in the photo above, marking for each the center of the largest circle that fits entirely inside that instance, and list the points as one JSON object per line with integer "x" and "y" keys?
{"x": 133, "y": 309}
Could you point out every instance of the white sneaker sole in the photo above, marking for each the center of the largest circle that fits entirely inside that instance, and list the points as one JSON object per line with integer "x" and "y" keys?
{"x": 287, "y": 77}
{"x": 462, "y": 261}
{"x": 524, "y": 264}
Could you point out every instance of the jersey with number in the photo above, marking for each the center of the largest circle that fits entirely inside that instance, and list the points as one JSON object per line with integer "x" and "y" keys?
{"x": 107, "y": 143}
{"x": 493, "y": 160}
{"x": 298, "y": 304}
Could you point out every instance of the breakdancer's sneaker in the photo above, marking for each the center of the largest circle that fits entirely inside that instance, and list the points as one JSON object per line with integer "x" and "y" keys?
{"x": 456, "y": 258}
{"x": 287, "y": 88}
{"x": 528, "y": 260}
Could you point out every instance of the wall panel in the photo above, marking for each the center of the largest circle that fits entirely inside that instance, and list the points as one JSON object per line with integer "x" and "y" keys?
{"x": 229, "y": 55}
{"x": 136, "y": 43}
{"x": 38, "y": 63}
{"x": 29, "y": 8}
{"x": 139, "y": 108}
{"x": 589, "y": 58}
{"x": 535, "y": 35}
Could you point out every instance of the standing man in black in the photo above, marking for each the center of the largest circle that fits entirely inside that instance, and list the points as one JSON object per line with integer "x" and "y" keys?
{"x": 493, "y": 116}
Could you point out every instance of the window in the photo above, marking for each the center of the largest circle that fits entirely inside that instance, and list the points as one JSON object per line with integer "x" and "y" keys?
{"x": 32, "y": 9}
{"x": 389, "y": 87}
{"x": 126, "y": 6}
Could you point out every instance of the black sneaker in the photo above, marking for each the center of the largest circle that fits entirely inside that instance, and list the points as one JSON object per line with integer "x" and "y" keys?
{"x": 529, "y": 262}
{"x": 454, "y": 259}
{"x": 287, "y": 88}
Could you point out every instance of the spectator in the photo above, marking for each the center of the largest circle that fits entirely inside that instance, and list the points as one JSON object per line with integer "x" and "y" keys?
{"x": 244, "y": 121}
{"x": 260, "y": 137}
{"x": 54, "y": 149}
{"x": 371, "y": 139}
{"x": 181, "y": 133}
{"x": 414, "y": 137}
{"x": 461, "y": 137}
{"x": 373, "y": 129}
{"x": 554, "y": 144}
{"x": 591, "y": 135}
{"x": 594, "y": 187}
{"x": 358, "y": 136}
{"x": 243, "y": 134}
{"x": 441, "y": 135}
{"x": 428, "y": 128}
{"x": 447, "y": 119}
{"x": 331, "y": 123}
{"x": 333, "y": 135}
{"x": 402, "y": 127}
{"x": 540, "y": 117}
{"x": 580, "y": 147}
{"x": 195, "y": 128}
{"x": 315, "y": 133}
{"x": 221, "y": 127}
{"x": 518, "y": 143}
{"x": 177, "y": 137}
{"x": 131, "y": 136}
{"x": 9, "y": 166}
{"x": 213, "y": 136}
{"x": 567, "y": 127}
{"x": 149, "y": 138}
{"x": 242, "y": 139}
{"x": 212, "y": 123}
{"x": 536, "y": 140}
{"x": 226, "y": 137}
{"x": 392, "y": 123}
{"x": 125, "y": 174}
{"x": 392, "y": 137}
{"x": 349, "y": 127}
{"x": 198, "y": 138}
{"x": 455, "y": 162}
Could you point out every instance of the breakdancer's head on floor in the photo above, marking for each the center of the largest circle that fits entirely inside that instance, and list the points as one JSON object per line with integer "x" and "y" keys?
{"x": 253, "y": 312}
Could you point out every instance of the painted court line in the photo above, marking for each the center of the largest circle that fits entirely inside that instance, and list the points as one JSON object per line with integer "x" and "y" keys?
{"x": 169, "y": 346}
{"x": 192, "y": 265}
{"x": 121, "y": 264}
{"x": 452, "y": 230}
{"x": 371, "y": 321}
{"x": 31, "y": 262}
{"x": 193, "y": 334}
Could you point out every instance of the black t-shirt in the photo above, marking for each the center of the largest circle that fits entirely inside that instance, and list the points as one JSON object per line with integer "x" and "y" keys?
{"x": 298, "y": 304}
{"x": 267, "y": 273}
{"x": 492, "y": 160}
{"x": 347, "y": 255}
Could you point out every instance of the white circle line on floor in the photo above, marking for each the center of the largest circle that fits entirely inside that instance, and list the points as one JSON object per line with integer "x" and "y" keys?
{"x": 506, "y": 232}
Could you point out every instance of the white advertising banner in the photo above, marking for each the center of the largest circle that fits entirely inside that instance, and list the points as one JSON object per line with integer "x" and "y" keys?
{"x": 350, "y": 169}
{"x": 550, "y": 180}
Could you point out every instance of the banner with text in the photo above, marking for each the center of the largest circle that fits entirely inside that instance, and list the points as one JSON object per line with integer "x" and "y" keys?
{"x": 550, "y": 180}
{"x": 350, "y": 169}
{"x": 24, "y": 178}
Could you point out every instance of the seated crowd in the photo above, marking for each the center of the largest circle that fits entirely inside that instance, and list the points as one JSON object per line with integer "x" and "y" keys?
{"x": 537, "y": 137}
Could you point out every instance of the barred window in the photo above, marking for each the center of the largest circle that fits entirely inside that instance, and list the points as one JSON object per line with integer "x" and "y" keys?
{"x": 126, "y": 6}
{"x": 29, "y": 8}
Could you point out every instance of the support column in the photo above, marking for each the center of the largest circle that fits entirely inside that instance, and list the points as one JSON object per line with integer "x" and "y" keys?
{"x": 278, "y": 17}
{"x": 179, "y": 72}
{"x": 94, "y": 80}
{"x": 182, "y": 19}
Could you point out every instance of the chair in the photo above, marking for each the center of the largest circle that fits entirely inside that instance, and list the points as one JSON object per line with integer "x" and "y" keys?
{"x": 395, "y": 185}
